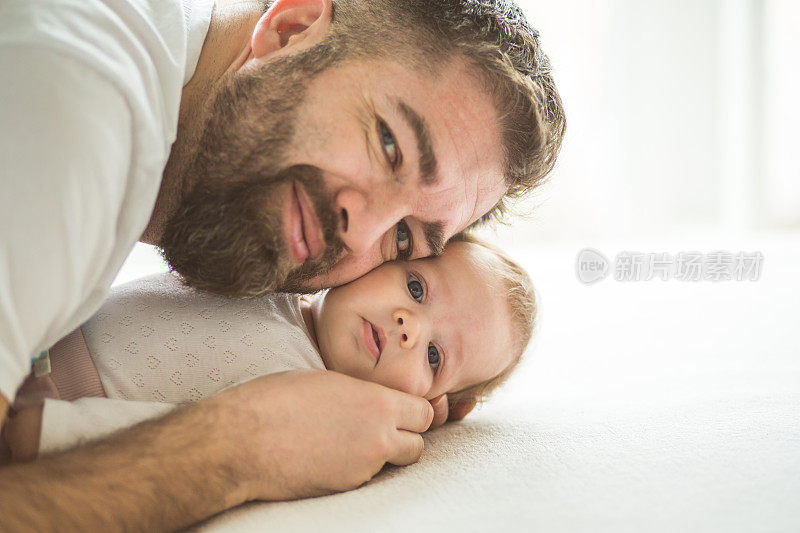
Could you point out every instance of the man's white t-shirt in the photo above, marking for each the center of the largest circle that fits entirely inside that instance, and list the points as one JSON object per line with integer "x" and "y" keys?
{"x": 89, "y": 98}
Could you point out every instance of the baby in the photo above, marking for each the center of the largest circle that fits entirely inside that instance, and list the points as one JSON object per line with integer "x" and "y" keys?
{"x": 455, "y": 324}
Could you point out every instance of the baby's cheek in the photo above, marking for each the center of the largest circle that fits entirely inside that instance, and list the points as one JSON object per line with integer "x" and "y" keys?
{"x": 404, "y": 380}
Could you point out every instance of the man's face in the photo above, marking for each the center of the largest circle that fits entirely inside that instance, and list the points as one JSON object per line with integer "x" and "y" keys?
{"x": 309, "y": 177}
{"x": 425, "y": 327}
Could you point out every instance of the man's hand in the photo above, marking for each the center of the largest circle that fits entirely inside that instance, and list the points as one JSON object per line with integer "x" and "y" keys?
{"x": 276, "y": 437}
{"x": 309, "y": 433}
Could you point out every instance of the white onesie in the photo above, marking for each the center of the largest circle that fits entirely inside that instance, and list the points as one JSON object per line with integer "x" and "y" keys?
{"x": 156, "y": 341}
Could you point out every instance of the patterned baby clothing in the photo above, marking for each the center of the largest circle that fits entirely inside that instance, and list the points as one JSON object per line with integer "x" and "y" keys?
{"x": 155, "y": 344}
{"x": 154, "y": 339}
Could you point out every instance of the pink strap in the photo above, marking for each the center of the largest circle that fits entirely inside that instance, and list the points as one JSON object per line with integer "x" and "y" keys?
{"x": 72, "y": 369}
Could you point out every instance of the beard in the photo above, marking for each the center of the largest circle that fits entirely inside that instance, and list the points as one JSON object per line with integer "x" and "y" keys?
{"x": 227, "y": 234}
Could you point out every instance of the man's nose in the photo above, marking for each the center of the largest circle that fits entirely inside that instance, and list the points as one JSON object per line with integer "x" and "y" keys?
{"x": 408, "y": 327}
{"x": 363, "y": 222}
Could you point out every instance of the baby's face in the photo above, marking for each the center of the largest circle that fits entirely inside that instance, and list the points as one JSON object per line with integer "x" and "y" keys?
{"x": 425, "y": 327}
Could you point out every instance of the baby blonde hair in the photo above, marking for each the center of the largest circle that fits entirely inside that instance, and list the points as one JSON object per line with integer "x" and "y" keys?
{"x": 522, "y": 307}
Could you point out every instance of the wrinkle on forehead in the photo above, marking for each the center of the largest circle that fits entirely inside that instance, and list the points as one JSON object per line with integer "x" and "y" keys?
{"x": 480, "y": 202}
{"x": 452, "y": 198}
{"x": 477, "y": 153}
{"x": 473, "y": 215}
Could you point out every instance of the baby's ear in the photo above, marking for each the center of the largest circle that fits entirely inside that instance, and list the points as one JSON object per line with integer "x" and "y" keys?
{"x": 461, "y": 409}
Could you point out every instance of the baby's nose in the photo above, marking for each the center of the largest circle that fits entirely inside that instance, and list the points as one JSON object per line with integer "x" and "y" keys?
{"x": 407, "y": 327}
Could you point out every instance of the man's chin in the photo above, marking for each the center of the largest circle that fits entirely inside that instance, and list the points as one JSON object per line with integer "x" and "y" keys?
{"x": 324, "y": 280}
{"x": 305, "y": 284}
{"x": 313, "y": 276}
{"x": 246, "y": 275}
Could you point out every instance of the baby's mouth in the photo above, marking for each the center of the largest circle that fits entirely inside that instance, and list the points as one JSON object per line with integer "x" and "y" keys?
{"x": 377, "y": 334}
{"x": 374, "y": 339}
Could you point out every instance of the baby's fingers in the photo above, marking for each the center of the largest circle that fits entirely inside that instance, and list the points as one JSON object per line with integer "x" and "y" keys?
{"x": 461, "y": 409}
{"x": 440, "y": 411}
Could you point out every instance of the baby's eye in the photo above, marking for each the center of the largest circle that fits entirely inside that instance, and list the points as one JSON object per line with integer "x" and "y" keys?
{"x": 403, "y": 239}
{"x": 433, "y": 356}
{"x": 415, "y": 289}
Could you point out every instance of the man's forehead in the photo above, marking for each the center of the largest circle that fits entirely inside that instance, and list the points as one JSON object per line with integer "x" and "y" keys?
{"x": 448, "y": 135}
{"x": 445, "y": 213}
{"x": 459, "y": 148}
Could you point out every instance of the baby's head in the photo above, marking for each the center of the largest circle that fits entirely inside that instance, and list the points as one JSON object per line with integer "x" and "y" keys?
{"x": 454, "y": 324}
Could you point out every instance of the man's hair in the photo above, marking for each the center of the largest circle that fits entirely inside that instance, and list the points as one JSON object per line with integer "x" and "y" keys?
{"x": 494, "y": 37}
{"x": 523, "y": 311}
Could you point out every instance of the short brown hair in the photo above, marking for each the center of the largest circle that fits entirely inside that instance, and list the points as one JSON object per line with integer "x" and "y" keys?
{"x": 523, "y": 311}
{"x": 503, "y": 48}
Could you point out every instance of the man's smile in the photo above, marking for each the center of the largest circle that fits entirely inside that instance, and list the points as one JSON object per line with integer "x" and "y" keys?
{"x": 304, "y": 233}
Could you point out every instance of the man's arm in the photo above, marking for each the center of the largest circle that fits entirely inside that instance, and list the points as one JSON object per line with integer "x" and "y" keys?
{"x": 277, "y": 437}
{"x": 158, "y": 476}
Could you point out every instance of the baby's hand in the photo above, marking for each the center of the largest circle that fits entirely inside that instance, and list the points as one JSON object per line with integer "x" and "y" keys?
{"x": 442, "y": 412}
{"x": 22, "y": 433}
{"x": 460, "y": 410}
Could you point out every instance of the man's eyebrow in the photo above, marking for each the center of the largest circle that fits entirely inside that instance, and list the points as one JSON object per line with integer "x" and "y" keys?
{"x": 434, "y": 236}
{"x": 427, "y": 156}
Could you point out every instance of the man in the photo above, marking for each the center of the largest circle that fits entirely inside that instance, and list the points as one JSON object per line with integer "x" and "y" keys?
{"x": 312, "y": 142}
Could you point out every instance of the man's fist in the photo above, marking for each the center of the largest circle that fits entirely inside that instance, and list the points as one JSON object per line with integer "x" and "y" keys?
{"x": 307, "y": 433}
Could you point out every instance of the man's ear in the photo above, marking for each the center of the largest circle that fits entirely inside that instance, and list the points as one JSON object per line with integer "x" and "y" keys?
{"x": 288, "y": 22}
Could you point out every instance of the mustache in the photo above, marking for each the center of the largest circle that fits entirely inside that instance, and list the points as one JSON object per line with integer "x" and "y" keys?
{"x": 228, "y": 238}
{"x": 310, "y": 177}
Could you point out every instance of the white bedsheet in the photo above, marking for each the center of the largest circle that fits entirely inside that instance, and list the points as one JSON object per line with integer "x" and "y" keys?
{"x": 649, "y": 406}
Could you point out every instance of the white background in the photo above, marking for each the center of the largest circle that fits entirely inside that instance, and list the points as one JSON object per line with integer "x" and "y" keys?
{"x": 682, "y": 116}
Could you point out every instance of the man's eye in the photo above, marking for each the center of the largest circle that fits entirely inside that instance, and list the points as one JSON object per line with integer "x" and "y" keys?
{"x": 389, "y": 144}
{"x": 433, "y": 357}
{"x": 415, "y": 289}
{"x": 403, "y": 240}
